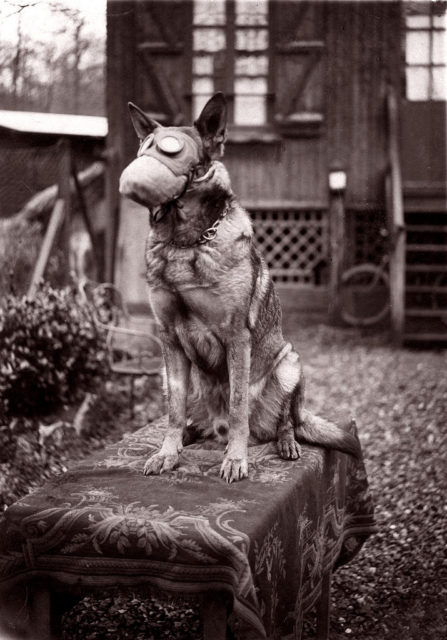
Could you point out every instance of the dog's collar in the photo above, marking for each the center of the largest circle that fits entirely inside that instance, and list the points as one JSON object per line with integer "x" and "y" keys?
{"x": 173, "y": 205}
{"x": 207, "y": 235}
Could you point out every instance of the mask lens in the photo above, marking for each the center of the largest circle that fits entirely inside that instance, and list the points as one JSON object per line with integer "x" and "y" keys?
{"x": 170, "y": 145}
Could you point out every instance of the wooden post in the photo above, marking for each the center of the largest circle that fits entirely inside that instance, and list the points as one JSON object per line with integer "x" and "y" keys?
{"x": 397, "y": 288}
{"x": 64, "y": 193}
{"x": 214, "y": 613}
{"x": 396, "y": 223}
{"x": 337, "y": 231}
{"x": 299, "y": 622}
{"x": 99, "y": 268}
{"x": 323, "y": 607}
{"x": 121, "y": 87}
{"x": 55, "y": 223}
{"x": 40, "y": 612}
{"x": 113, "y": 214}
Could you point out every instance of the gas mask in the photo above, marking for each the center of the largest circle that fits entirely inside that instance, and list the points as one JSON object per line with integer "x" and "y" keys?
{"x": 163, "y": 167}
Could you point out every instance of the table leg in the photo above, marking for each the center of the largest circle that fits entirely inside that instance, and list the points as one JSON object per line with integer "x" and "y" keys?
{"x": 214, "y": 616}
{"x": 299, "y": 621}
{"x": 40, "y": 612}
{"x": 323, "y": 606}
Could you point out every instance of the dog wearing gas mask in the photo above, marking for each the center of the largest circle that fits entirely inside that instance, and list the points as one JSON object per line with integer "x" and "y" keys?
{"x": 230, "y": 373}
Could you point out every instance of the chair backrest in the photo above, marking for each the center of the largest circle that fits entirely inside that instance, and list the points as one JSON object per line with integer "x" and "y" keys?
{"x": 131, "y": 351}
{"x": 105, "y": 302}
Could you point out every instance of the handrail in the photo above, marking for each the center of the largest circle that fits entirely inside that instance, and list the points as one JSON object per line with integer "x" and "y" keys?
{"x": 55, "y": 223}
{"x": 394, "y": 160}
{"x": 396, "y": 220}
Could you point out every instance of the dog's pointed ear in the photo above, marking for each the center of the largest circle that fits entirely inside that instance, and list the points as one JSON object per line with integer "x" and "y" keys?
{"x": 142, "y": 123}
{"x": 212, "y": 124}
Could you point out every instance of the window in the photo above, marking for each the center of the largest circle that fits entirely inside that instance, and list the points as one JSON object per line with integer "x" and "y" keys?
{"x": 230, "y": 43}
{"x": 425, "y": 51}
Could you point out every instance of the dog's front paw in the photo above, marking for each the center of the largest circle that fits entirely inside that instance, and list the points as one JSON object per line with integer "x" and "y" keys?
{"x": 234, "y": 469}
{"x": 288, "y": 448}
{"x": 159, "y": 462}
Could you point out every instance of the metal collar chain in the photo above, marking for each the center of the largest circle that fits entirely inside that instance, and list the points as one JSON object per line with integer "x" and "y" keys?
{"x": 207, "y": 235}
{"x": 169, "y": 207}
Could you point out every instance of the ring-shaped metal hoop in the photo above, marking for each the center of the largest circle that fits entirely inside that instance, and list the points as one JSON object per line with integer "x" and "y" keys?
{"x": 379, "y": 277}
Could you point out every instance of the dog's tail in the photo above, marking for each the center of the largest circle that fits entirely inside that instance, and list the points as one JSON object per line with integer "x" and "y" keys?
{"x": 315, "y": 430}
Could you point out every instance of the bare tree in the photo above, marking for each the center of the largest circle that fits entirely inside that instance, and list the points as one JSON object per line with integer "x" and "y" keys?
{"x": 17, "y": 62}
{"x": 62, "y": 74}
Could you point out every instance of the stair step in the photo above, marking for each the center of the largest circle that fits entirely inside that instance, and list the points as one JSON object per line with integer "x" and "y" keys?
{"x": 425, "y": 288}
{"x": 425, "y": 337}
{"x": 425, "y": 188}
{"x": 427, "y": 247}
{"x": 435, "y": 228}
{"x": 427, "y": 205}
{"x": 414, "y": 312}
{"x": 426, "y": 268}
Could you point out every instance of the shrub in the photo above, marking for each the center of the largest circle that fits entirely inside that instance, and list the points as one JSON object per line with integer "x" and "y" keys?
{"x": 20, "y": 241}
{"x": 50, "y": 350}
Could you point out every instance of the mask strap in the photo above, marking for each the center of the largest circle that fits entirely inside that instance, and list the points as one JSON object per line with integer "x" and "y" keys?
{"x": 173, "y": 204}
{"x": 206, "y": 176}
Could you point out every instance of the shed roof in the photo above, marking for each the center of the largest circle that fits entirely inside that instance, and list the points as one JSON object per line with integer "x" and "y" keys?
{"x": 60, "y": 124}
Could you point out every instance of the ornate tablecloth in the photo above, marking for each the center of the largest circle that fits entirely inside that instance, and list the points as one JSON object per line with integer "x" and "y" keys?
{"x": 266, "y": 541}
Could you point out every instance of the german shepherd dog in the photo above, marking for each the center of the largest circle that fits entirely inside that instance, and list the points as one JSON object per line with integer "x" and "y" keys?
{"x": 229, "y": 371}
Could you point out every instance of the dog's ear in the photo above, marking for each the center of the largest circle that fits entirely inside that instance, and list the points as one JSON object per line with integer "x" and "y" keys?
{"x": 212, "y": 124}
{"x": 142, "y": 123}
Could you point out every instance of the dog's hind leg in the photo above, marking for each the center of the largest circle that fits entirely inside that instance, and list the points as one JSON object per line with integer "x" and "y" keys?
{"x": 306, "y": 426}
{"x": 289, "y": 376}
{"x": 288, "y": 447}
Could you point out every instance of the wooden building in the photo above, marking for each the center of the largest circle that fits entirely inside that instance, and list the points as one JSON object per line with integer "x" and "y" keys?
{"x": 45, "y": 157}
{"x": 32, "y": 147}
{"x": 314, "y": 88}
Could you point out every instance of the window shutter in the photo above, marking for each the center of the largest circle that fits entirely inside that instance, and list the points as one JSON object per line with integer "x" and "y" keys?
{"x": 163, "y": 65}
{"x": 298, "y": 55}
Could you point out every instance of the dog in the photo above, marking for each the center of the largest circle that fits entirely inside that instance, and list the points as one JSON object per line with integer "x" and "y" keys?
{"x": 230, "y": 373}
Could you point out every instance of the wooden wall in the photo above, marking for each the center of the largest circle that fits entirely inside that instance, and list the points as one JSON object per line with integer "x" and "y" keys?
{"x": 363, "y": 57}
{"x": 287, "y": 170}
{"x": 360, "y": 56}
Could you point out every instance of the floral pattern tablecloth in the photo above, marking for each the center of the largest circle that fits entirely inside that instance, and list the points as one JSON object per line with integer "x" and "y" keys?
{"x": 266, "y": 541}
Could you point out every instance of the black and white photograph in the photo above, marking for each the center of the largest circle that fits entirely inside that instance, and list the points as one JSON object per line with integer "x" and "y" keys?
{"x": 223, "y": 319}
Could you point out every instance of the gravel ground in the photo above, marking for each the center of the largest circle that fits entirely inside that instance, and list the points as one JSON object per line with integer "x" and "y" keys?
{"x": 397, "y": 587}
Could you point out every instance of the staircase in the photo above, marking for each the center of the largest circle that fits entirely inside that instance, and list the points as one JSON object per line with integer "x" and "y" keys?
{"x": 417, "y": 222}
{"x": 425, "y": 267}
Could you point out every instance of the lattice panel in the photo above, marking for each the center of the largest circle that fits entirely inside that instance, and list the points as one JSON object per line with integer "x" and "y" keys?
{"x": 294, "y": 244}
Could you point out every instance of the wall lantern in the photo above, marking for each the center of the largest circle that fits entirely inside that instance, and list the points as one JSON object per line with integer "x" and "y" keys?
{"x": 337, "y": 180}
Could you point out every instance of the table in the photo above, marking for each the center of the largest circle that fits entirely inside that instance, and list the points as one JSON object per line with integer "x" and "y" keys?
{"x": 263, "y": 548}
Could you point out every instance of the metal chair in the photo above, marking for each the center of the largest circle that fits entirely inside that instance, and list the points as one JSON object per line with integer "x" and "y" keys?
{"x": 131, "y": 352}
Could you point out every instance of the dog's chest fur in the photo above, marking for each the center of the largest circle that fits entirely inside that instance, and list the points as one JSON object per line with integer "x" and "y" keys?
{"x": 195, "y": 293}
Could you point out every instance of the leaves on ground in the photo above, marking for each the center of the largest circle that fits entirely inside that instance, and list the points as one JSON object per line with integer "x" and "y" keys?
{"x": 396, "y": 589}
